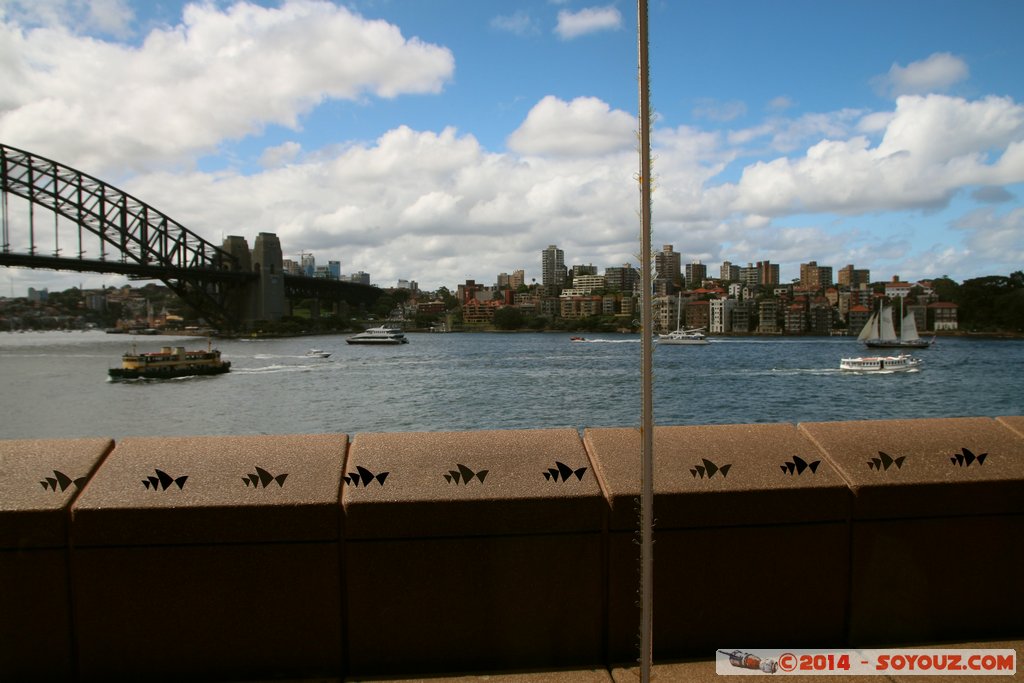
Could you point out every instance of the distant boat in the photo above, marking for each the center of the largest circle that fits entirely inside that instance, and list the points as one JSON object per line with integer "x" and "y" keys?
{"x": 170, "y": 362}
{"x": 681, "y": 337}
{"x": 317, "y": 353}
{"x": 900, "y": 363}
{"x": 577, "y": 339}
{"x": 694, "y": 337}
{"x": 880, "y": 333}
{"x": 379, "y": 335}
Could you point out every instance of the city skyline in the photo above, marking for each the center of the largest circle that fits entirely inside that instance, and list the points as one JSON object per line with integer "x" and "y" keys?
{"x": 472, "y": 134}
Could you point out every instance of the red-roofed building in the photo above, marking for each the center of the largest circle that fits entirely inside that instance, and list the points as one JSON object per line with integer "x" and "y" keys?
{"x": 897, "y": 288}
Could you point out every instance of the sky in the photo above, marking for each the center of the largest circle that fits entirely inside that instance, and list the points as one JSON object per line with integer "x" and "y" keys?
{"x": 446, "y": 140}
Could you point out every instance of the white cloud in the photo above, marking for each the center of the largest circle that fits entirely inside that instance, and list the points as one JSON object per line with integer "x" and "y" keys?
{"x": 995, "y": 237}
{"x": 935, "y": 74}
{"x": 588, "y": 20}
{"x": 437, "y": 199}
{"x": 221, "y": 74}
{"x": 584, "y": 127}
{"x": 932, "y": 146}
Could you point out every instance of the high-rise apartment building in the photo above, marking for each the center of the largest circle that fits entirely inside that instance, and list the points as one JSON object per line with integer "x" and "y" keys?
{"x": 767, "y": 273}
{"x": 768, "y": 314}
{"x": 815, "y": 277}
{"x": 513, "y": 281}
{"x": 721, "y": 315}
{"x": 586, "y": 284}
{"x": 728, "y": 272}
{"x": 624, "y": 279}
{"x": 667, "y": 269}
{"x": 696, "y": 273}
{"x": 552, "y": 268}
{"x": 750, "y": 275}
{"x": 853, "y": 277}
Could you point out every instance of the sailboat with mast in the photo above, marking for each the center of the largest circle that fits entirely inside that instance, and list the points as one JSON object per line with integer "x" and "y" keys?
{"x": 681, "y": 336}
{"x": 880, "y": 331}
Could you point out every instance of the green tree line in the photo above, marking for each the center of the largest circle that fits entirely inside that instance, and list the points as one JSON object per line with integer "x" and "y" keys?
{"x": 994, "y": 303}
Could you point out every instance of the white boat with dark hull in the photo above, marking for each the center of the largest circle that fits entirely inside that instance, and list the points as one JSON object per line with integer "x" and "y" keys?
{"x": 682, "y": 337}
{"x": 317, "y": 353}
{"x": 880, "y": 332}
{"x": 694, "y": 337}
{"x": 379, "y": 335}
{"x": 901, "y": 363}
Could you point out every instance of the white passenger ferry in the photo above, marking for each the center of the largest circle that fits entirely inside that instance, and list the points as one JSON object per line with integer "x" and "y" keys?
{"x": 900, "y": 363}
{"x": 379, "y": 335}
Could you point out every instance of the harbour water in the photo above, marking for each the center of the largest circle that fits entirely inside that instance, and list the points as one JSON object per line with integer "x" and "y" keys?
{"x": 55, "y": 384}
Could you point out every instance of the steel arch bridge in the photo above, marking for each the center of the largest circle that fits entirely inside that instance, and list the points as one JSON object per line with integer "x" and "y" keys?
{"x": 114, "y": 232}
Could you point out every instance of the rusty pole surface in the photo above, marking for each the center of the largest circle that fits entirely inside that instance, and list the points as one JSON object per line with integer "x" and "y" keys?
{"x": 647, "y": 347}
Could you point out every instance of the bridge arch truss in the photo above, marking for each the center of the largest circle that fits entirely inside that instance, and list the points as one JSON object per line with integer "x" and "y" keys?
{"x": 128, "y": 236}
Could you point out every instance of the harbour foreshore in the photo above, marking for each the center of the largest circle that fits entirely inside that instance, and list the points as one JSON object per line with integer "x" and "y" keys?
{"x": 421, "y": 554}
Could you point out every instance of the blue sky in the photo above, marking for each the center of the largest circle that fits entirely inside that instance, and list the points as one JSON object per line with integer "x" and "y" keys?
{"x": 445, "y": 140}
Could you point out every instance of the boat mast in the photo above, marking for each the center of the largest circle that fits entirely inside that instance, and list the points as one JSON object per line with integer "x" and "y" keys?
{"x": 903, "y": 323}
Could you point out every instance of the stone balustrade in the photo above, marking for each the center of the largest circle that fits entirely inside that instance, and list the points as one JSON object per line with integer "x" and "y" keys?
{"x": 426, "y": 553}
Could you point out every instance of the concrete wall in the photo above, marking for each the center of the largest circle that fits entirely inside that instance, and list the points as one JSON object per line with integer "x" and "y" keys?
{"x": 415, "y": 553}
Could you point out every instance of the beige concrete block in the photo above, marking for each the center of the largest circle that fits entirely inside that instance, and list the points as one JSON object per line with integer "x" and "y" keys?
{"x": 908, "y": 468}
{"x": 39, "y": 480}
{"x": 420, "y": 484}
{"x": 719, "y": 475}
{"x": 214, "y": 489}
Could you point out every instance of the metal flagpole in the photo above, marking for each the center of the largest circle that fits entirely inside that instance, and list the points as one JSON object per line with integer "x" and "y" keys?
{"x": 646, "y": 346}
